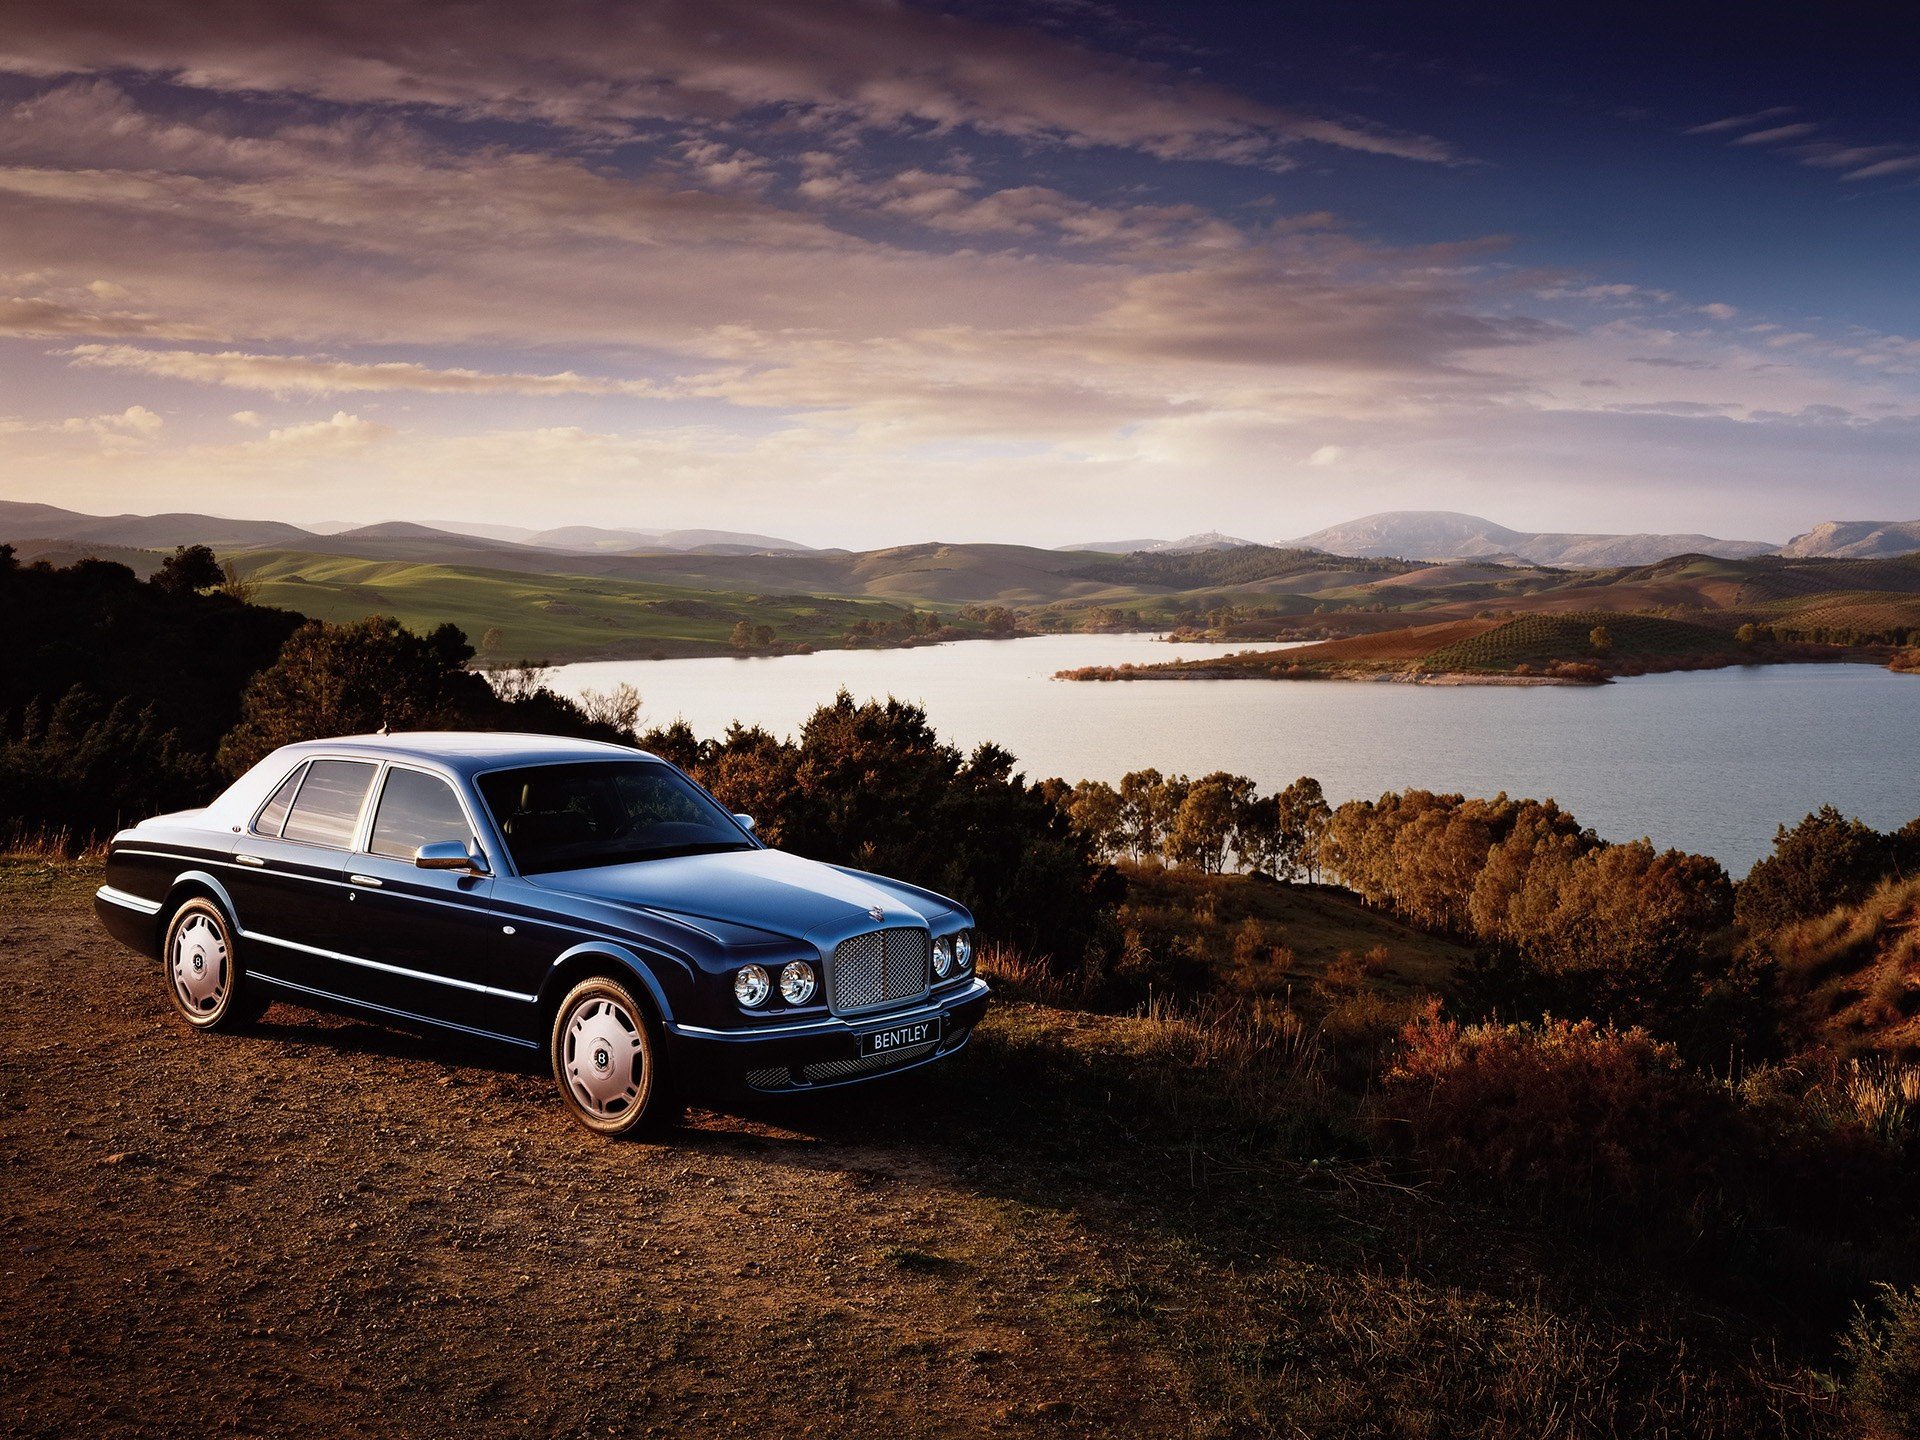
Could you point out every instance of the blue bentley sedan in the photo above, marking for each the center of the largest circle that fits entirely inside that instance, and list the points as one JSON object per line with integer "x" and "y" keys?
{"x": 582, "y": 899}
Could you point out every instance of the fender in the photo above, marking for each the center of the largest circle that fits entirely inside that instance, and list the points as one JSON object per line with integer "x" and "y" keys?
{"x": 201, "y": 878}
{"x": 606, "y": 949}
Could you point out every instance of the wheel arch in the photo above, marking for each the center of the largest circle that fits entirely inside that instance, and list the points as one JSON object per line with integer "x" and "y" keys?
{"x": 192, "y": 885}
{"x": 600, "y": 957}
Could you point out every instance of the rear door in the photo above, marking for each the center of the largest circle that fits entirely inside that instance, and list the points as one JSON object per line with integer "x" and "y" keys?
{"x": 430, "y": 940}
{"x": 288, "y": 882}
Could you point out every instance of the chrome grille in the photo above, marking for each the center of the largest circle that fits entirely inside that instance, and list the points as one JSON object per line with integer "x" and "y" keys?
{"x": 878, "y": 967}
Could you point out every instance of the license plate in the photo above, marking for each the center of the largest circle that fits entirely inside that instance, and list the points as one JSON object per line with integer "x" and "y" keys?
{"x": 900, "y": 1037}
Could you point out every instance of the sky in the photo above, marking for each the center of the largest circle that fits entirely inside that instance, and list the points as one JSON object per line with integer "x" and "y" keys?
{"x": 864, "y": 273}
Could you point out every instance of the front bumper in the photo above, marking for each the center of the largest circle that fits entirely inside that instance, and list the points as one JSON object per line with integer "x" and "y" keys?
{"x": 820, "y": 1053}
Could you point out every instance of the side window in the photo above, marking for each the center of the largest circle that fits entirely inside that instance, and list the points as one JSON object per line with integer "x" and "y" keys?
{"x": 328, "y": 805}
{"x": 274, "y": 813}
{"x": 415, "y": 810}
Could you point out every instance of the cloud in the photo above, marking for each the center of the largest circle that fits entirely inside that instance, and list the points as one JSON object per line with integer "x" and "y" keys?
{"x": 311, "y": 375}
{"x": 134, "y": 425}
{"x": 46, "y": 316}
{"x": 1774, "y": 134}
{"x": 1326, "y": 455}
{"x": 600, "y": 65}
{"x": 342, "y": 434}
{"x": 252, "y": 419}
{"x": 1740, "y": 122}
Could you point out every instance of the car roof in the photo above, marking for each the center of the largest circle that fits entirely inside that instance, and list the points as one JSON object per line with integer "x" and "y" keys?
{"x": 470, "y": 751}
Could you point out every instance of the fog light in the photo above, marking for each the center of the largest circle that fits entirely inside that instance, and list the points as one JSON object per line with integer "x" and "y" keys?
{"x": 963, "y": 951}
{"x": 942, "y": 956}
{"x": 750, "y": 985}
{"x": 796, "y": 983}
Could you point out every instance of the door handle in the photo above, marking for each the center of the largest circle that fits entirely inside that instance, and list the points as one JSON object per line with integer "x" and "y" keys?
{"x": 249, "y": 859}
{"x": 364, "y": 880}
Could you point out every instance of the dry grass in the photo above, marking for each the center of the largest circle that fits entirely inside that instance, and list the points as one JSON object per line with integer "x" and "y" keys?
{"x": 48, "y": 844}
{"x": 1853, "y": 974}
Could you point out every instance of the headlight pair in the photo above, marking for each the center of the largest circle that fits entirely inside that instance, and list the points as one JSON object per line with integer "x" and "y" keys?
{"x": 953, "y": 955}
{"x": 752, "y": 985}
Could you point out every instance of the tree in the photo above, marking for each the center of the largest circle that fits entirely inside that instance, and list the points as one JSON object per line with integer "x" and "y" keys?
{"x": 1825, "y": 861}
{"x": 872, "y": 786}
{"x": 1601, "y": 639}
{"x": 1208, "y": 816}
{"x": 1303, "y": 816}
{"x": 237, "y": 586}
{"x": 353, "y": 680}
{"x": 491, "y": 641}
{"x": 1095, "y": 809}
{"x": 1140, "y": 815}
{"x": 742, "y": 637}
{"x": 189, "y": 568}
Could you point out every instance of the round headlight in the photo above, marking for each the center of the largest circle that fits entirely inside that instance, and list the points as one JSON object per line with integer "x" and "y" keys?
{"x": 963, "y": 951}
{"x": 942, "y": 955}
{"x": 796, "y": 983}
{"x": 750, "y": 985}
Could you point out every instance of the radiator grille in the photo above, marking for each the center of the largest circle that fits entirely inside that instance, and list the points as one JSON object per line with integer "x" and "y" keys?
{"x": 878, "y": 967}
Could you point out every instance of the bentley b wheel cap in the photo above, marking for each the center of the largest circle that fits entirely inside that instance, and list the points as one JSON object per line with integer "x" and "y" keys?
{"x": 200, "y": 964}
{"x": 603, "y": 1063}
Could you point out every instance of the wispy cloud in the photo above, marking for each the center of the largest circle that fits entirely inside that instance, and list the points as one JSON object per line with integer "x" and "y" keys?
{"x": 613, "y": 67}
{"x": 318, "y": 375}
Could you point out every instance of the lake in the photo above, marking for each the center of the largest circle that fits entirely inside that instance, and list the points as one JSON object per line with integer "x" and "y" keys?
{"x": 1709, "y": 761}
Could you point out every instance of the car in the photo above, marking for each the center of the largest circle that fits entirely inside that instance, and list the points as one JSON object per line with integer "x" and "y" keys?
{"x": 584, "y": 900}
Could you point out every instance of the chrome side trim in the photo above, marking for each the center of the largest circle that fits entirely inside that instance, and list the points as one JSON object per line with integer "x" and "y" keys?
{"x": 833, "y": 1024}
{"x": 388, "y": 969}
{"x": 126, "y": 901}
{"x": 353, "y": 1004}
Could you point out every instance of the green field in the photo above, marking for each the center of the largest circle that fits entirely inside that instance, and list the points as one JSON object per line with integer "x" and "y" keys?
{"x": 551, "y": 617}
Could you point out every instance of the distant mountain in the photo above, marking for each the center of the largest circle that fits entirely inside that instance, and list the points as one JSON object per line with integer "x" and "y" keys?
{"x": 591, "y": 538}
{"x": 1856, "y": 540}
{"x": 1207, "y": 540}
{"x": 1449, "y": 535}
{"x": 21, "y": 521}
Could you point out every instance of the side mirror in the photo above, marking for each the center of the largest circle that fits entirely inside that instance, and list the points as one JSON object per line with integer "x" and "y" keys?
{"x": 745, "y": 822}
{"x": 450, "y": 855}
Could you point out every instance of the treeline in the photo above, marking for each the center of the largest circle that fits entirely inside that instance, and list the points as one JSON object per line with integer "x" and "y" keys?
{"x": 1209, "y": 824}
{"x": 872, "y": 786}
{"x": 123, "y": 698}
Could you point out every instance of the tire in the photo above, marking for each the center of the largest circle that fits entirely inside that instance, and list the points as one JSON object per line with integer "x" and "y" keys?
{"x": 205, "y": 980}
{"x": 609, "y": 1062}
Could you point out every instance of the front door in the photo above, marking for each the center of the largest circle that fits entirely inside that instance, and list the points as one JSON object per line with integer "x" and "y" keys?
{"x": 429, "y": 942}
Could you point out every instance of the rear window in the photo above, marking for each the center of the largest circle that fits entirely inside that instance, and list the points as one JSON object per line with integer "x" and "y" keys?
{"x": 327, "y": 808}
{"x": 274, "y": 813}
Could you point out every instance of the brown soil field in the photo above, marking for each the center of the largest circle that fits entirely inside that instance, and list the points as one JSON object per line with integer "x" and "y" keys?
{"x": 1407, "y": 644}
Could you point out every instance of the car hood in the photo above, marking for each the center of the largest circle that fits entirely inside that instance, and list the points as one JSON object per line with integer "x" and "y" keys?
{"x": 763, "y": 889}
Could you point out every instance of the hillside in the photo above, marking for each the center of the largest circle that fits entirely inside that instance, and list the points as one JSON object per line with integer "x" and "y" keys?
{"x": 1090, "y": 1225}
{"x": 1854, "y": 974}
{"x": 1858, "y": 539}
{"x": 1450, "y": 535}
{"x": 550, "y": 617}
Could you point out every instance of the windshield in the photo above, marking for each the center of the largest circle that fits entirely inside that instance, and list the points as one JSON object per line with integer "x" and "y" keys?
{"x": 604, "y": 812}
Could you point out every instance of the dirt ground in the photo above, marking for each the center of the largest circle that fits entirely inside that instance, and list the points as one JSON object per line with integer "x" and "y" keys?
{"x": 320, "y": 1227}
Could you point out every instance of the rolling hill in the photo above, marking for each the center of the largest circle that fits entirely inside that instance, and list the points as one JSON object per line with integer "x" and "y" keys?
{"x": 1450, "y": 535}
{"x": 1856, "y": 539}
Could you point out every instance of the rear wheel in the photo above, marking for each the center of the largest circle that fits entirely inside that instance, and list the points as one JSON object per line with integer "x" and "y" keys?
{"x": 205, "y": 980}
{"x": 607, "y": 1060}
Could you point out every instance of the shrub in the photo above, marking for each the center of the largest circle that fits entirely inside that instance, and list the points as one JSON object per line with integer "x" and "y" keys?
{"x": 1826, "y": 861}
{"x": 1884, "y": 1353}
{"x": 1564, "y": 1114}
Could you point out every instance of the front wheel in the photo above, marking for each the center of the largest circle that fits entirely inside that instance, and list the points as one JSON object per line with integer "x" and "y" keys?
{"x": 607, "y": 1060}
{"x": 204, "y": 978}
